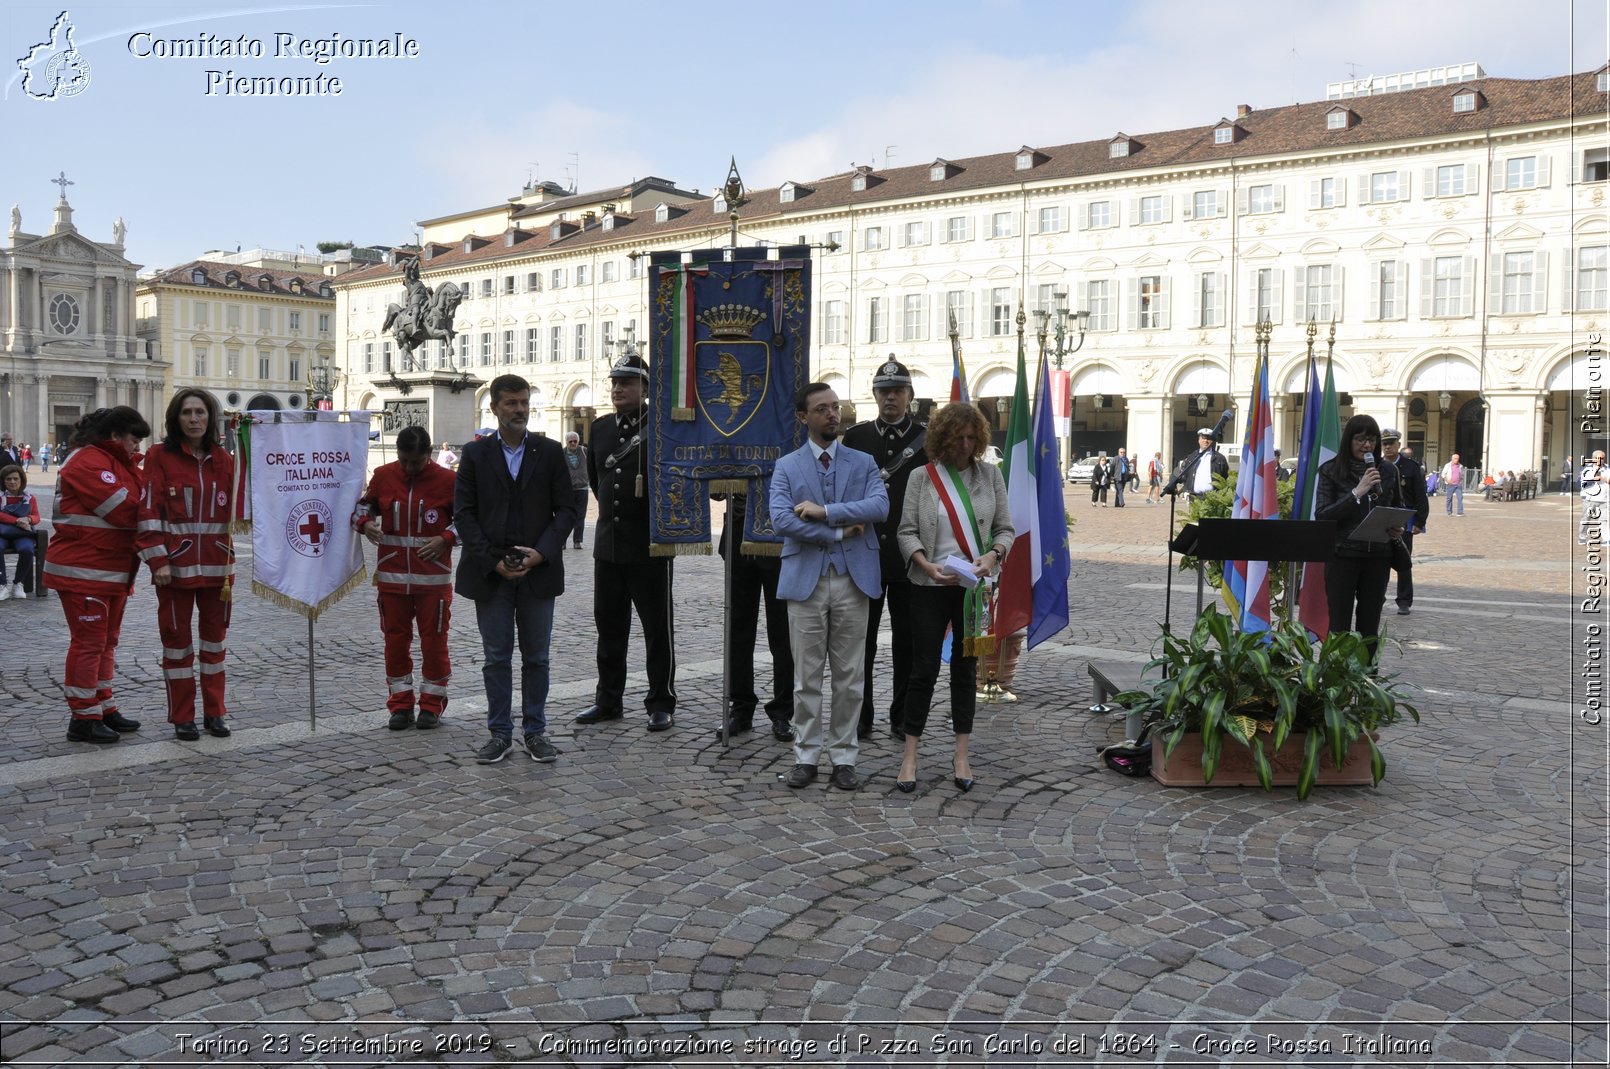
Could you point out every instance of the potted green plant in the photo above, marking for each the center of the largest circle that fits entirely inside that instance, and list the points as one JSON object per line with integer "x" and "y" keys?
{"x": 1285, "y": 700}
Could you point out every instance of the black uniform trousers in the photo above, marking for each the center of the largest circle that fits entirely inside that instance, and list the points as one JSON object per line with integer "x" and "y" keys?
{"x": 898, "y": 596}
{"x": 1405, "y": 595}
{"x": 754, "y": 583}
{"x": 617, "y": 588}
{"x": 1360, "y": 582}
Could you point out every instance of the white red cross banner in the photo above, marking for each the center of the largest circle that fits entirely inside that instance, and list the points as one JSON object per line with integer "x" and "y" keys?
{"x": 306, "y": 475}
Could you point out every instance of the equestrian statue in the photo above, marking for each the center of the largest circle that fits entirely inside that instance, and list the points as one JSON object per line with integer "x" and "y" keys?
{"x": 424, "y": 315}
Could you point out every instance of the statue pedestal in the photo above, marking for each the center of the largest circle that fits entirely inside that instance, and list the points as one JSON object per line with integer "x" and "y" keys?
{"x": 440, "y": 401}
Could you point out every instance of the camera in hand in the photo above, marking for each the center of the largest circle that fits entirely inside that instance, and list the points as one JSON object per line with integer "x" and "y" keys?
{"x": 514, "y": 558}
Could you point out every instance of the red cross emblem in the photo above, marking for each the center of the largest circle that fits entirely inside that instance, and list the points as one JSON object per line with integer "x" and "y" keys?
{"x": 312, "y": 528}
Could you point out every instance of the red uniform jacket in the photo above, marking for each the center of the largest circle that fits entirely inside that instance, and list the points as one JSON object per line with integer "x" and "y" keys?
{"x": 410, "y": 513}
{"x": 184, "y": 515}
{"x": 97, "y": 510}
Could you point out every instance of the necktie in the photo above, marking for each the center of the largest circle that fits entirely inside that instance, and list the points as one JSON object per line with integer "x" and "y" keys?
{"x": 826, "y": 461}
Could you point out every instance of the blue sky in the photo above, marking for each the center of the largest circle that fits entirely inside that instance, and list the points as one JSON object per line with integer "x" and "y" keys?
{"x": 602, "y": 94}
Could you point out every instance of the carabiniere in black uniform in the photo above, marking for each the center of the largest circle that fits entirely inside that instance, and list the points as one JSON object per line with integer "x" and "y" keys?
{"x": 624, "y": 575}
{"x": 898, "y": 450}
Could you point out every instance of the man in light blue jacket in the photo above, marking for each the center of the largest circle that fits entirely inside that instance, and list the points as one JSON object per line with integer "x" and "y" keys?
{"x": 824, "y": 501}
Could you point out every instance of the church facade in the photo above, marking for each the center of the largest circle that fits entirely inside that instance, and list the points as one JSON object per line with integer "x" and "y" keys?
{"x": 68, "y": 330}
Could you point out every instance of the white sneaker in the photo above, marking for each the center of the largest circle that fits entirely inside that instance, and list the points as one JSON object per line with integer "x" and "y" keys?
{"x": 17, "y": 591}
{"x": 5, "y": 592}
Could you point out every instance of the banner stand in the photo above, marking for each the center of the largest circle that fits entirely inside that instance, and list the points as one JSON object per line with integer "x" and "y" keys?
{"x": 733, "y": 535}
{"x": 312, "y": 703}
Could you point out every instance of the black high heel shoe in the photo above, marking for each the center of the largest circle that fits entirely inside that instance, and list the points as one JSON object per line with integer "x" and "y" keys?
{"x": 906, "y": 786}
{"x": 964, "y": 783}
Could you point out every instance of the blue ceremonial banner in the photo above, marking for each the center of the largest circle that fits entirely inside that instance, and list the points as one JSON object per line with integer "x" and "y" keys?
{"x": 729, "y": 347}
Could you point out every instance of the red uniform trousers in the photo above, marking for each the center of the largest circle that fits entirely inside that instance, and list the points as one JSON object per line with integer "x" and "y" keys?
{"x": 432, "y": 610}
{"x": 175, "y": 607}
{"x": 94, "y": 622}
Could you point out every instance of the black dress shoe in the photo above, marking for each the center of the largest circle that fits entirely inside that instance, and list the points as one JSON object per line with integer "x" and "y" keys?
{"x": 660, "y": 720}
{"x": 401, "y": 720}
{"x": 801, "y": 776}
{"x": 90, "y": 731}
{"x": 120, "y": 723}
{"x": 734, "y": 727}
{"x": 781, "y": 729}
{"x": 1403, "y": 610}
{"x": 214, "y": 726}
{"x": 185, "y": 731}
{"x": 594, "y": 715}
{"x": 844, "y": 778}
{"x": 427, "y": 720}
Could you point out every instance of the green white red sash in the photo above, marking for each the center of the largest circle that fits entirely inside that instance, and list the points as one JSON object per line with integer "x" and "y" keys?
{"x": 976, "y": 603}
{"x": 684, "y": 386}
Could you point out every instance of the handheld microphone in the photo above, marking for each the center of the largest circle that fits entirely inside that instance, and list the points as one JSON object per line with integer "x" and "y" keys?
{"x": 1369, "y": 460}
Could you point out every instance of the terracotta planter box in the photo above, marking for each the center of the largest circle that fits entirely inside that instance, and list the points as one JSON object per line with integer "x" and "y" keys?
{"x": 1183, "y": 768}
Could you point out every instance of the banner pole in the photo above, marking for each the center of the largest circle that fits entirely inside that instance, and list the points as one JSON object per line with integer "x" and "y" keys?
{"x": 312, "y": 705}
{"x": 734, "y": 547}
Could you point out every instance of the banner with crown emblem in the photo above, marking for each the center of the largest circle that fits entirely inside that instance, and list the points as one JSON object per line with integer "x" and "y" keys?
{"x": 729, "y": 343}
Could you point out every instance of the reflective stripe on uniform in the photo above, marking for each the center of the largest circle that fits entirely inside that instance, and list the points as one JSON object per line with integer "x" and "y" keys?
{"x": 200, "y": 571}
{"x": 95, "y": 574}
{"x": 198, "y": 528}
{"x": 118, "y": 497}
{"x": 75, "y": 520}
{"x": 210, "y": 669}
{"x": 437, "y": 689}
{"x": 212, "y": 647}
{"x": 178, "y": 673}
{"x": 399, "y": 684}
{"x": 444, "y": 579}
{"x": 80, "y": 692}
{"x": 411, "y": 541}
{"x": 173, "y": 653}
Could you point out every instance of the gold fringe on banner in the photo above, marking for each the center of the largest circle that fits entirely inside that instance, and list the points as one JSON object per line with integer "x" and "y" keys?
{"x": 679, "y": 549}
{"x": 978, "y": 646}
{"x": 312, "y": 612}
{"x": 729, "y": 486}
{"x": 682, "y": 415}
{"x": 761, "y": 549}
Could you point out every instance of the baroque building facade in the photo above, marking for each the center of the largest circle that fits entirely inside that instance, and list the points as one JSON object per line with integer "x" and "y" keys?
{"x": 248, "y": 328}
{"x": 67, "y": 320}
{"x": 1454, "y": 233}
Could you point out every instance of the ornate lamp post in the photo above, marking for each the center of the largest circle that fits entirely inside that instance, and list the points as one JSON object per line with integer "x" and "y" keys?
{"x": 1060, "y": 323}
{"x": 321, "y": 379}
{"x": 733, "y": 194}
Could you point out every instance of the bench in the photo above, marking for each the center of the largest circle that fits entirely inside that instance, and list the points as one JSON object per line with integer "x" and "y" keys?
{"x": 1112, "y": 677}
{"x": 1522, "y": 488}
{"x": 33, "y": 584}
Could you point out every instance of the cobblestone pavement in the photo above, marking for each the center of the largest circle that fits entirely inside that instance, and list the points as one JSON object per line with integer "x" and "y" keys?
{"x": 352, "y": 896}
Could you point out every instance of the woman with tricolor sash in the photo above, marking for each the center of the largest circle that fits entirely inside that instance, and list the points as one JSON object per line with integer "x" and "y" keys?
{"x": 955, "y": 530}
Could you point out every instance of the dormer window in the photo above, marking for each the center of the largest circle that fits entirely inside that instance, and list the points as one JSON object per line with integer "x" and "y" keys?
{"x": 199, "y": 276}
{"x": 232, "y": 279}
{"x": 609, "y": 221}
{"x": 469, "y": 244}
{"x": 296, "y": 286}
{"x": 556, "y": 231}
{"x": 936, "y": 173}
{"x": 662, "y": 212}
{"x": 858, "y": 184}
{"x": 719, "y": 204}
{"x": 324, "y": 289}
{"x": 1466, "y": 101}
{"x": 1223, "y": 136}
{"x": 1121, "y": 146}
{"x": 1601, "y": 81}
{"x": 1027, "y": 158}
{"x": 1339, "y": 118}
{"x": 785, "y": 193}
{"x": 265, "y": 282}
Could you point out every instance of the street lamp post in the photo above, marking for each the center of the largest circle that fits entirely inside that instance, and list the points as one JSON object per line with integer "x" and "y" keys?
{"x": 321, "y": 379}
{"x": 1061, "y": 323}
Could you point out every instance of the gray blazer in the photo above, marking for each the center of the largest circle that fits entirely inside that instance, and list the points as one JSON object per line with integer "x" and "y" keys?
{"x": 922, "y": 515}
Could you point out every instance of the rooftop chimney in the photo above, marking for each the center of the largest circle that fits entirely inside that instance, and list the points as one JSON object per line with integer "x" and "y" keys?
{"x": 1243, "y": 110}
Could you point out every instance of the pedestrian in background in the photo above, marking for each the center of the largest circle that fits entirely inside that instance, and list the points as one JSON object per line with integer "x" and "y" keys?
{"x": 1412, "y": 483}
{"x": 576, "y": 462}
{"x": 1452, "y": 477}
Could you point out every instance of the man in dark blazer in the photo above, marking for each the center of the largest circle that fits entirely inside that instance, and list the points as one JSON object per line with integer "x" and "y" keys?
{"x": 1412, "y": 482}
{"x": 9, "y": 453}
{"x": 895, "y": 442}
{"x": 624, "y": 574}
{"x": 754, "y": 583}
{"x": 513, "y": 506}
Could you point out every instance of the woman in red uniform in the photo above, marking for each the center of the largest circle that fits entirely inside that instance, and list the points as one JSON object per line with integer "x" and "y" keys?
{"x": 92, "y": 561}
{"x": 184, "y": 539}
